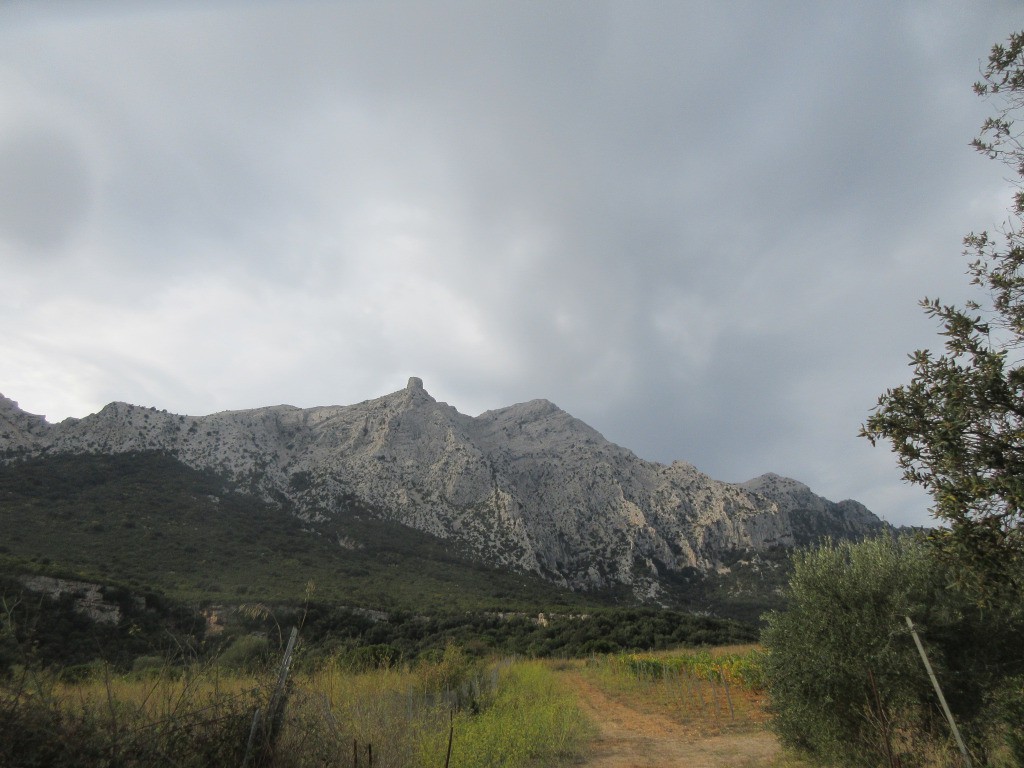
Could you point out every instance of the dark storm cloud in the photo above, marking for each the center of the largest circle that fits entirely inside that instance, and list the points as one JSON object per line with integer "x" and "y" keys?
{"x": 702, "y": 228}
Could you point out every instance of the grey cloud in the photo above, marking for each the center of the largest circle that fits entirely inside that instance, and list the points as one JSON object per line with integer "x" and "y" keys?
{"x": 45, "y": 189}
{"x": 702, "y": 228}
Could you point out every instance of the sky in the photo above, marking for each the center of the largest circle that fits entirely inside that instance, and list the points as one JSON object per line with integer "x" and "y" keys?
{"x": 701, "y": 228}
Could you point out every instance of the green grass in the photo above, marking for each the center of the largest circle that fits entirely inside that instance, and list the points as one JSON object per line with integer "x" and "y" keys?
{"x": 531, "y": 720}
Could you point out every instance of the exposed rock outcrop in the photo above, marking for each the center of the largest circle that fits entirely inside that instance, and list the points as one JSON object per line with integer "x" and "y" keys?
{"x": 527, "y": 487}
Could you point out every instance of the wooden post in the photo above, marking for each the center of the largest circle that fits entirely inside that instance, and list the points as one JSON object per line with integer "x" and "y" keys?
{"x": 714, "y": 692}
{"x": 451, "y": 733}
{"x": 696, "y": 682}
{"x": 938, "y": 690}
{"x": 252, "y": 738}
{"x": 728, "y": 698}
{"x": 270, "y": 721}
{"x": 275, "y": 710}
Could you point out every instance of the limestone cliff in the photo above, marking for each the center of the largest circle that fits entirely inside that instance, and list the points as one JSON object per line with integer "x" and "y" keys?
{"x": 527, "y": 487}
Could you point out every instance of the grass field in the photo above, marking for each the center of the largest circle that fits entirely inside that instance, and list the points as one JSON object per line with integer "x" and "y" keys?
{"x": 499, "y": 713}
{"x": 495, "y": 713}
{"x": 717, "y": 688}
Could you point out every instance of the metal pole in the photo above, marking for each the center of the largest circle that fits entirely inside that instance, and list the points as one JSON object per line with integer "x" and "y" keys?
{"x": 938, "y": 690}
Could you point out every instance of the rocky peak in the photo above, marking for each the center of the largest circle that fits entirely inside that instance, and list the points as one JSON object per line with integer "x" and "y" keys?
{"x": 777, "y": 488}
{"x": 811, "y": 516}
{"x": 19, "y": 429}
{"x": 415, "y": 394}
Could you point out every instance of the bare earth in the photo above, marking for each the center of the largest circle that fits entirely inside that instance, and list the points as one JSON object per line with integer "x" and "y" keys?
{"x": 630, "y": 738}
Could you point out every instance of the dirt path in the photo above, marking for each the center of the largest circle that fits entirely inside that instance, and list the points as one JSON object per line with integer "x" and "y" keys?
{"x": 630, "y": 738}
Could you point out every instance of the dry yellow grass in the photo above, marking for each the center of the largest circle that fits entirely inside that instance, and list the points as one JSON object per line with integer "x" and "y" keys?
{"x": 501, "y": 715}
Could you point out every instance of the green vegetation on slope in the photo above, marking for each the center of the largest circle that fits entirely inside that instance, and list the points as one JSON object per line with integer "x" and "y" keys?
{"x": 148, "y": 521}
{"x": 163, "y": 540}
{"x": 40, "y": 630}
{"x": 605, "y": 630}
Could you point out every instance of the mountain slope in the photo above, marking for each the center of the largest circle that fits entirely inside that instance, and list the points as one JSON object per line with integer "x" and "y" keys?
{"x": 527, "y": 487}
{"x": 145, "y": 520}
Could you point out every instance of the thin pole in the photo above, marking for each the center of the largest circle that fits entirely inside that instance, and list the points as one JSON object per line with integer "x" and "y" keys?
{"x": 728, "y": 698}
{"x": 252, "y": 738}
{"x": 451, "y": 734}
{"x": 938, "y": 690}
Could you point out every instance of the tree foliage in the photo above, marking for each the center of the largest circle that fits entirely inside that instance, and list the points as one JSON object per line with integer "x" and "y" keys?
{"x": 843, "y": 677}
{"x": 958, "y": 427}
{"x": 845, "y": 681}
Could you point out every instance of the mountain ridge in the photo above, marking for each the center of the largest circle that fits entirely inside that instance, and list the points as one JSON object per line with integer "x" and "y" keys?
{"x": 527, "y": 487}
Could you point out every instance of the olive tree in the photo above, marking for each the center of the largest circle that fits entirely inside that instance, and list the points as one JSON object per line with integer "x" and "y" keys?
{"x": 844, "y": 679}
{"x": 958, "y": 427}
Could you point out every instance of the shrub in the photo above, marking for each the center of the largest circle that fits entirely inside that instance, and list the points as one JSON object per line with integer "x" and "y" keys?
{"x": 844, "y": 678}
{"x": 248, "y": 652}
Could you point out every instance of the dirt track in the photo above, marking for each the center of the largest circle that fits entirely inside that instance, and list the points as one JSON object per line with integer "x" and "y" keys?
{"x": 630, "y": 738}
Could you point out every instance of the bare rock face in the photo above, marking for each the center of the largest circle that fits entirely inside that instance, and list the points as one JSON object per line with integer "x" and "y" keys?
{"x": 810, "y": 516}
{"x": 20, "y": 429}
{"x": 526, "y": 487}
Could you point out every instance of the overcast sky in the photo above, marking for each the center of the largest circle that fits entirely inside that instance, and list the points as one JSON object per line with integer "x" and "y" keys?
{"x": 702, "y": 228}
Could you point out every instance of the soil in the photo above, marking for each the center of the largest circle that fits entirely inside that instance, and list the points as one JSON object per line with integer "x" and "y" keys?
{"x": 631, "y": 738}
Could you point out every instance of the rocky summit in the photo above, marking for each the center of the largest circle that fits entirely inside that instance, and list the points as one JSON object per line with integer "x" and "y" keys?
{"x": 527, "y": 487}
